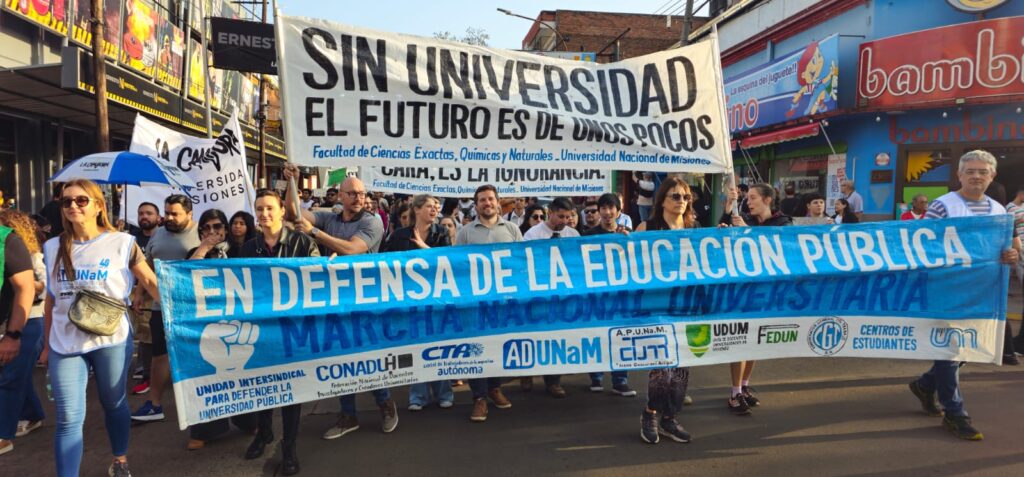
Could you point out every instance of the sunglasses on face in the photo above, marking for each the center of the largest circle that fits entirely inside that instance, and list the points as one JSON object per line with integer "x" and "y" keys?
{"x": 80, "y": 201}
{"x": 537, "y": 217}
{"x": 680, "y": 197}
{"x": 208, "y": 227}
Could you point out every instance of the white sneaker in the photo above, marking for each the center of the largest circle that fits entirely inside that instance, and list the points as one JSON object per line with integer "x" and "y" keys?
{"x": 445, "y": 404}
{"x": 415, "y": 407}
{"x": 25, "y": 427}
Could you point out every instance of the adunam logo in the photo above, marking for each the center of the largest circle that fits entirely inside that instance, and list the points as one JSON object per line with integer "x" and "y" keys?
{"x": 828, "y": 335}
{"x": 698, "y": 337}
{"x": 454, "y": 351}
{"x": 525, "y": 354}
{"x": 650, "y": 346}
{"x": 963, "y": 337}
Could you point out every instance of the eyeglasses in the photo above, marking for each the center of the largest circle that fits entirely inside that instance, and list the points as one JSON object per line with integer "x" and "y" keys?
{"x": 355, "y": 194}
{"x": 81, "y": 201}
{"x": 977, "y": 172}
{"x": 215, "y": 226}
{"x": 680, "y": 197}
{"x": 537, "y": 217}
{"x": 589, "y": 211}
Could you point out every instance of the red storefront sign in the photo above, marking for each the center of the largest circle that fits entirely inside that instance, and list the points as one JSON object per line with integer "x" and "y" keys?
{"x": 969, "y": 60}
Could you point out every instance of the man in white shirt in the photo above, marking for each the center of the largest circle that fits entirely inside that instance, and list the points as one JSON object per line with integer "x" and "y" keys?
{"x": 517, "y": 214}
{"x": 849, "y": 191}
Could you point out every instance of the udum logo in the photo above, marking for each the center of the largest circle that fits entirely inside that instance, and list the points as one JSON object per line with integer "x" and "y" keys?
{"x": 699, "y": 338}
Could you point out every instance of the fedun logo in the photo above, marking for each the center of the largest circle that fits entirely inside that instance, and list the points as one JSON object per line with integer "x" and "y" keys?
{"x": 828, "y": 335}
{"x": 699, "y": 338}
{"x": 943, "y": 337}
{"x": 773, "y": 334}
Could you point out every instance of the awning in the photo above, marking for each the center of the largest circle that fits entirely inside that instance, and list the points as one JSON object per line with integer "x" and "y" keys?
{"x": 782, "y": 135}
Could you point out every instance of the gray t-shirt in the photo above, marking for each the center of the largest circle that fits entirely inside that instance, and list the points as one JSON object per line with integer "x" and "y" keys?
{"x": 478, "y": 233}
{"x": 167, "y": 245}
{"x": 368, "y": 227}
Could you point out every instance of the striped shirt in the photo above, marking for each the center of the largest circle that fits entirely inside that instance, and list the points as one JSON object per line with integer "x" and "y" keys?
{"x": 1018, "y": 218}
{"x": 936, "y": 210}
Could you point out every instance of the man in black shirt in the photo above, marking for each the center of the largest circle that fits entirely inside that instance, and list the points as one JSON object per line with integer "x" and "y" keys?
{"x": 52, "y": 212}
{"x": 148, "y": 220}
{"x": 21, "y": 339}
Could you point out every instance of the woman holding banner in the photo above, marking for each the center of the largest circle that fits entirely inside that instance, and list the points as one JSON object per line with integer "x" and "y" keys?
{"x": 104, "y": 262}
{"x": 213, "y": 234}
{"x": 761, "y": 201}
{"x": 423, "y": 233}
{"x": 666, "y": 387}
{"x": 276, "y": 241}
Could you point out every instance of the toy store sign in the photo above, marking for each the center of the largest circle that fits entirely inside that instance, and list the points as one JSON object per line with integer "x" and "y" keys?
{"x": 969, "y": 60}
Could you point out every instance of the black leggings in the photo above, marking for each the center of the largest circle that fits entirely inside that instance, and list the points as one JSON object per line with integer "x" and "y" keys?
{"x": 290, "y": 422}
{"x": 666, "y": 389}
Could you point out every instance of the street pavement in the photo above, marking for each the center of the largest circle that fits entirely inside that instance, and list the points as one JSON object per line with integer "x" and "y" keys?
{"x": 820, "y": 416}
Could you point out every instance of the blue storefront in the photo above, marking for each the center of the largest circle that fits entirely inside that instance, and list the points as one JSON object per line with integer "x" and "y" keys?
{"x": 902, "y": 116}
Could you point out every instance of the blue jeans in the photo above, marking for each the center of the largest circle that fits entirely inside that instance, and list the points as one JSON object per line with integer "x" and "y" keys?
{"x": 18, "y": 399}
{"x": 944, "y": 378}
{"x": 618, "y": 377}
{"x": 348, "y": 401}
{"x": 645, "y": 212}
{"x": 69, "y": 376}
{"x": 419, "y": 393}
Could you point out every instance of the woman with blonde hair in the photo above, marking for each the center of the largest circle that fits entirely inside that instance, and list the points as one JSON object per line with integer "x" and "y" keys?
{"x": 90, "y": 255}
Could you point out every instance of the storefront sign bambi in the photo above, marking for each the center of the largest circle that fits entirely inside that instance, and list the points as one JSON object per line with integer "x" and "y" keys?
{"x": 355, "y": 96}
{"x": 252, "y": 334}
{"x": 800, "y": 83}
{"x": 970, "y": 60}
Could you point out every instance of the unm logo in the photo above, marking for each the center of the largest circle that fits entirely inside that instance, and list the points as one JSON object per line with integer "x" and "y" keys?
{"x": 944, "y": 337}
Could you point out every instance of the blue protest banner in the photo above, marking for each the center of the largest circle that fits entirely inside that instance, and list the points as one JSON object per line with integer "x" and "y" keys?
{"x": 250, "y": 334}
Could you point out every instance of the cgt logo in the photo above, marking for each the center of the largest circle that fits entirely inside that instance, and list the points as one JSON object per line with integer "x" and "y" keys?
{"x": 456, "y": 351}
{"x": 828, "y": 335}
{"x": 699, "y": 338}
{"x": 526, "y": 354}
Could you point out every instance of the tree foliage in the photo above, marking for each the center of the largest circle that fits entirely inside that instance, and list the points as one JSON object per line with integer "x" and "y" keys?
{"x": 473, "y": 36}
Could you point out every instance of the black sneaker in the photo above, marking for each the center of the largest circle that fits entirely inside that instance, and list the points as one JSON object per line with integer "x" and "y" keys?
{"x": 596, "y": 386}
{"x": 649, "y": 427}
{"x": 671, "y": 429}
{"x": 961, "y": 427}
{"x": 119, "y": 469}
{"x": 749, "y": 397}
{"x": 1010, "y": 360}
{"x": 738, "y": 405}
{"x": 929, "y": 401}
{"x": 623, "y": 390}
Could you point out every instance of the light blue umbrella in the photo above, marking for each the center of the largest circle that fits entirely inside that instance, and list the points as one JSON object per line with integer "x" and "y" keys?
{"x": 127, "y": 168}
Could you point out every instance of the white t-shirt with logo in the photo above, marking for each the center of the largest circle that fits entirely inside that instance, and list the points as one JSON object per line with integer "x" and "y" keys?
{"x": 101, "y": 265}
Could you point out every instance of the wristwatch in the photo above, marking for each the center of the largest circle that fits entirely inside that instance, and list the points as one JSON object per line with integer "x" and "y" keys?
{"x": 314, "y": 232}
{"x": 14, "y": 335}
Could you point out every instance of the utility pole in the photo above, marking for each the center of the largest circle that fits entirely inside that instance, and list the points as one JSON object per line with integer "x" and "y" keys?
{"x": 100, "y": 70}
{"x": 687, "y": 24}
{"x": 261, "y": 117}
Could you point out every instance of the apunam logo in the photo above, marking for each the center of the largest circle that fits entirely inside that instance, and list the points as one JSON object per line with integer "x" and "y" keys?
{"x": 698, "y": 337}
{"x": 650, "y": 346}
{"x": 455, "y": 351}
{"x": 775, "y": 334}
{"x": 525, "y": 354}
{"x": 828, "y": 335}
{"x": 964, "y": 337}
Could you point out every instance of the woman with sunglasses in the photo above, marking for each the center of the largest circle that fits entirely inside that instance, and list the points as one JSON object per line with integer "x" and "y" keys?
{"x": 534, "y": 215}
{"x": 666, "y": 387}
{"x": 214, "y": 243}
{"x": 761, "y": 199}
{"x": 95, "y": 257}
{"x": 243, "y": 229}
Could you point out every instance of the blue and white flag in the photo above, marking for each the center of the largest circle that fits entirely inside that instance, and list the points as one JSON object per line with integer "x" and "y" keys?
{"x": 251, "y": 334}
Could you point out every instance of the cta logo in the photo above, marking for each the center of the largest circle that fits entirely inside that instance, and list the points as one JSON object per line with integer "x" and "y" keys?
{"x": 526, "y": 354}
{"x": 651, "y": 346}
{"x": 698, "y": 337}
{"x": 775, "y": 334}
{"x": 455, "y": 351}
{"x": 952, "y": 337}
{"x": 828, "y": 335}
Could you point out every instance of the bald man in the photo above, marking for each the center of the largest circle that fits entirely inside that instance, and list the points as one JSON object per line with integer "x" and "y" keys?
{"x": 352, "y": 232}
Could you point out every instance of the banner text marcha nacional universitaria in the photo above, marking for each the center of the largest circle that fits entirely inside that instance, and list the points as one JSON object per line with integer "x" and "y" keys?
{"x": 361, "y": 97}
{"x": 250, "y": 334}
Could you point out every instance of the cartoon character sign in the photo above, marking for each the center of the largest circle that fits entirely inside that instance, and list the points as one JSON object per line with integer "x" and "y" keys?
{"x": 815, "y": 89}
{"x": 139, "y": 48}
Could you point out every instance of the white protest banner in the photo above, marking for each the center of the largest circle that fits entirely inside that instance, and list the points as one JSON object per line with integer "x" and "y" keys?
{"x": 216, "y": 165}
{"x": 463, "y": 181}
{"x": 836, "y": 175}
{"x": 355, "y": 96}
